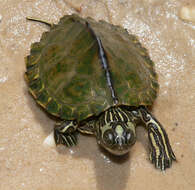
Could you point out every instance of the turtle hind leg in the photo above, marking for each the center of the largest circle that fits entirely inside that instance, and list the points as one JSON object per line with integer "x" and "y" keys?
{"x": 161, "y": 152}
{"x": 65, "y": 133}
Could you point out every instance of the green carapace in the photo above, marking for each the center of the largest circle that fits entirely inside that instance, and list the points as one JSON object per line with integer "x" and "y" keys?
{"x": 98, "y": 80}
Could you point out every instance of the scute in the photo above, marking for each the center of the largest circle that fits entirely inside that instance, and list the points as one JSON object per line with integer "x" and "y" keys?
{"x": 133, "y": 73}
{"x": 65, "y": 74}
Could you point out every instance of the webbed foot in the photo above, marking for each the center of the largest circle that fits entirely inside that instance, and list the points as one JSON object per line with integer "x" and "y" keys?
{"x": 161, "y": 152}
{"x": 65, "y": 133}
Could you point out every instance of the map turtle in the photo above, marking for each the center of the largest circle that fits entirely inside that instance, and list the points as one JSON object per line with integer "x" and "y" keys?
{"x": 97, "y": 79}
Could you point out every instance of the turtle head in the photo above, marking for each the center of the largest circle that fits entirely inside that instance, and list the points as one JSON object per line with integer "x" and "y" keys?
{"x": 117, "y": 137}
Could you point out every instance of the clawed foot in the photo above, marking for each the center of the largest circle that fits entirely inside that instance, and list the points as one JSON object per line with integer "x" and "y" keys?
{"x": 65, "y": 139}
{"x": 161, "y": 160}
{"x": 64, "y": 133}
{"x": 161, "y": 154}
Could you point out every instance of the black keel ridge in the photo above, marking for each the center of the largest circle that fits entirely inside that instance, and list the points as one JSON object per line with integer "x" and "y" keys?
{"x": 104, "y": 61}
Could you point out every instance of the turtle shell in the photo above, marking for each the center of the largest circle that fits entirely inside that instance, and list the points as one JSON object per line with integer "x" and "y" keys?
{"x": 66, "y": 76}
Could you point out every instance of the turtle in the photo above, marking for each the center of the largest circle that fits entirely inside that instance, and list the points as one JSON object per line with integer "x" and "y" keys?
{"x": 97, "y": 79}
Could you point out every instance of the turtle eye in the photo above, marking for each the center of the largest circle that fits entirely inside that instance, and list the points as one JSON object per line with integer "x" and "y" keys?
{"x": 130, "y": 138}
{"x": 108, "y": 137}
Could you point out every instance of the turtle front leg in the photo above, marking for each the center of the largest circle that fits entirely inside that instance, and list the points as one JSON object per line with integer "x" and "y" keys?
{"x": 65, "y": 133}
{"x": 161, "y": 152}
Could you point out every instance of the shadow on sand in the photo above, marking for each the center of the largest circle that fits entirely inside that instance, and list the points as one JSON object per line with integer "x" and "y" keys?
{"x": 112, "y": 172}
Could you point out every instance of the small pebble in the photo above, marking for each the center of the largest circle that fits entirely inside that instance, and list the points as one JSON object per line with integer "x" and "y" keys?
{"x": 173, "y": 129}
{"x": 187, "y": 13}
{"x": 49, "y": 140}
{"x": 0, "y": 18}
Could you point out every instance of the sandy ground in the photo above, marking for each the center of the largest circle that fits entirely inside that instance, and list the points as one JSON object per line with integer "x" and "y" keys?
{"x": 25, "y": 164}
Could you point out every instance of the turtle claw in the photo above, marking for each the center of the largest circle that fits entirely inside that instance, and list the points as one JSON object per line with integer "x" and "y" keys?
{"x": 65, "y": 133}
{"x": 161, "y": 152}
{"x": 65, "y": 139}
{"x": 162, "y": 161}
{"x": 160, "y": 156}
{"x": 69, "y": 140}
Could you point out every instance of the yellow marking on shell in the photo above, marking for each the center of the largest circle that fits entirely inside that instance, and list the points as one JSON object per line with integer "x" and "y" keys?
{"x": 41, "y": 104}
{"x": 148, "y": 65}
{"x": 128, "y": 84}
{"x": 33, "y": 74}
{"x": 58, "y": 106}
{"x": 143, "y": 52}
{"x": 32, "y": 63}
{"x": 153, "y": 77}
{"x": 140, "y": 98}
{"x": 26, "y": 77}
{"x": 49, "y": 99}
{"x": 90, "y": 114}
{"x": 72, "y": 109}
{"x": 32, "y": 92}
{"x": 153, "y": 87}
{"x": 26, "y": 61}
{"x": 92, "y": 92}
{"x": 42, "y": 87}
{"x": 149, "y": 98}
{"x": 36, "y": 76}
{"x": 147, "y": 93}
{"x": 44, "y": 105}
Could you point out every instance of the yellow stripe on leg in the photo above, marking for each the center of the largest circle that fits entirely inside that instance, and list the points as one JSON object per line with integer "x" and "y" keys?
{"x": 156, "y": 148}
{"x": 161, "y": 134}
